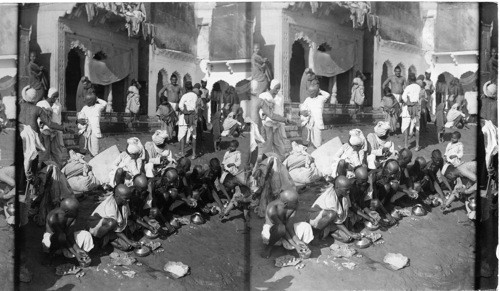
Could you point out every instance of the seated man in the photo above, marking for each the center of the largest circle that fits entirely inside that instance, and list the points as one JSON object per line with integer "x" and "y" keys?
{"x": 279, "y": 229}
{"x": 241, "y": 198}
{"x": 329, "y": 212}
{"x": 455, "y": 117}
{"x": 165, "y": 198}
{"x": 380, "y": 147}
{"x": 128, "y": 164}
{"x": 404, "y": 159}
{"x": 140, "y": 204}
{"x": 433, "y": 172}
{"x": 360, "y": 201}
{"x": 159, "y": 156}
{"x": 385, "y": 184}
{"x": 109, "y": 220}
{"x": 60, "y": 238}
{"x": 463, "y": 186}
{"x": 350, "y": 155}
{"x": 418, "y": 179}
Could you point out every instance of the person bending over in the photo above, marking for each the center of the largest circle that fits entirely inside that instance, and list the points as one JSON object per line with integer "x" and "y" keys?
{"x": 279, "y": 229}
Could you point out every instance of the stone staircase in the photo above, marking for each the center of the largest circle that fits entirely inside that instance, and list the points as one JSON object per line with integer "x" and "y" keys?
{"x": 119, "y": 123}
{"x": 111, "y": 124}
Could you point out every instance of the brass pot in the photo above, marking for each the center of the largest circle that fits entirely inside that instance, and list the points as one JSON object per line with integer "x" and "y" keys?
{"x": 197, "y": 218}
{"x": 370, "y": 226}
{"x": 149, "y": 234}
{"x": 418, "y": 210}
{"x": 143, "y": 251}
{"x": 363, "y": 243}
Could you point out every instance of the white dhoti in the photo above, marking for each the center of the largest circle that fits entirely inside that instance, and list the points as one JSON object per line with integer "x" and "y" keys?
{"x": 303, "y": 230}
{"x": 83, "y": 240}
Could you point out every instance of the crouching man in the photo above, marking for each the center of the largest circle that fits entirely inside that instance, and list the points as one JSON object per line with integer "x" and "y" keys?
{"x": 278, "y": 229}
{"x": 329, "y": 212}
{"x": 109, "y": 220}
{"x": 59, "y": 237}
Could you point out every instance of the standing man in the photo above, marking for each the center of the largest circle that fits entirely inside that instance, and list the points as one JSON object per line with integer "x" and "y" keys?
{"x": 397, "y": 82}
{"x": 312, "y": 109}
{"x": 52, "y": 139}
{"x": 188, "y": 118}
{"x": 173, "y": 92}
{"x": 411, "y": 110}
{"x": 259, "y": 81}
{"x": 274, "y": 140}
{"x": 205, "y": 97}
{"x": 429, "y": 90}
{"x": 37, "y": 79}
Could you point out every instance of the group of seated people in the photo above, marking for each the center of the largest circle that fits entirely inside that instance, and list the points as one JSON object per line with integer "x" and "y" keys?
{"x": 147, "y": 190}
{"x": 369, "y": 178}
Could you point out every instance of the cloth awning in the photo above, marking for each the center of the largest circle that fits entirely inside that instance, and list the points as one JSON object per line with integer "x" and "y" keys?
{"x": 109, "y": 71}
{"x": 336, "y": 62}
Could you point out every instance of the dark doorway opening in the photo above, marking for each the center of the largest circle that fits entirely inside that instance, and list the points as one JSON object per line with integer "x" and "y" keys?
{"x": 297, "y": 68}
{"x": 74, "y": 72}
{"x": 344, "y": 87}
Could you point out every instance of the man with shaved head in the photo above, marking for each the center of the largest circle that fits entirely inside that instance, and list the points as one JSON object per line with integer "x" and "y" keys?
{"x": 140, "y": 203}
{"x": 329, "y": 212}
{"x": 59, "y": 237}
{"x": 360, "y": 200}
{"x": 278, "y": 228}
{"x": 109, "y": 220}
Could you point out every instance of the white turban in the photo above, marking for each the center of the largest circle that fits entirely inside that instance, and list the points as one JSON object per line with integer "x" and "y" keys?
{"x": 274, "y": 83}
{"x": 382, "y": 128}
{"x": 29, "y": 94}
{"x": 52, "y": 91}
{"x": 357, "y": 138}
{"x": 159, "y": 137}
{"x": 490, "y": 90}
{"x": 135, "y": 147}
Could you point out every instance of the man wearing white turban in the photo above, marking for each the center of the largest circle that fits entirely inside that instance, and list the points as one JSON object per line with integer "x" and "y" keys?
{"x": 52, "y": 139}
{"x": 158, "y": 154}
{"x": 270, "y": 120}
{"x": 128, "y": 164}
{"x": 380, "y": 147}
{"x": 350, "y": 155}
{"x": 28, "y": 117}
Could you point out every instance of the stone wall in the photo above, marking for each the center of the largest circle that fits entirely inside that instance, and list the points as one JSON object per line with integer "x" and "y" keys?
{"x": 457, "y": 27}
{"x": 400, "y": 21}
{"x": 8, "y": 33}
{"x": 175, "y": 25}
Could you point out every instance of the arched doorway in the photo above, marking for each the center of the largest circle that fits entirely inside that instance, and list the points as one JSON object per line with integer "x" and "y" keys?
{"x": 298, "y": 64}
{"x": 386, "y": 72}
{"x": 162, "y": 82}
{"x": 187, "y": 77}
{"x": 413, "y": 70}
{"x": 468, "y": 81}
{"x": 74, "y": 72}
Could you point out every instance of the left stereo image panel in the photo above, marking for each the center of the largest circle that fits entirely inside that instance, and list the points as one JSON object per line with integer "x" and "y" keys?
{"x": 8, "y": 101}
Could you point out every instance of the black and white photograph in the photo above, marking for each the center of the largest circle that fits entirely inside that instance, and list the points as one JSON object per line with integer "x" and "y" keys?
{"x": 349, "y": 145}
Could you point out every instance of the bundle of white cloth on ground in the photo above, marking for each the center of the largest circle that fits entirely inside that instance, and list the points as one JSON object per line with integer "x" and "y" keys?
{"x": 79, "y": 175}
{"x": 301, "y": 166}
